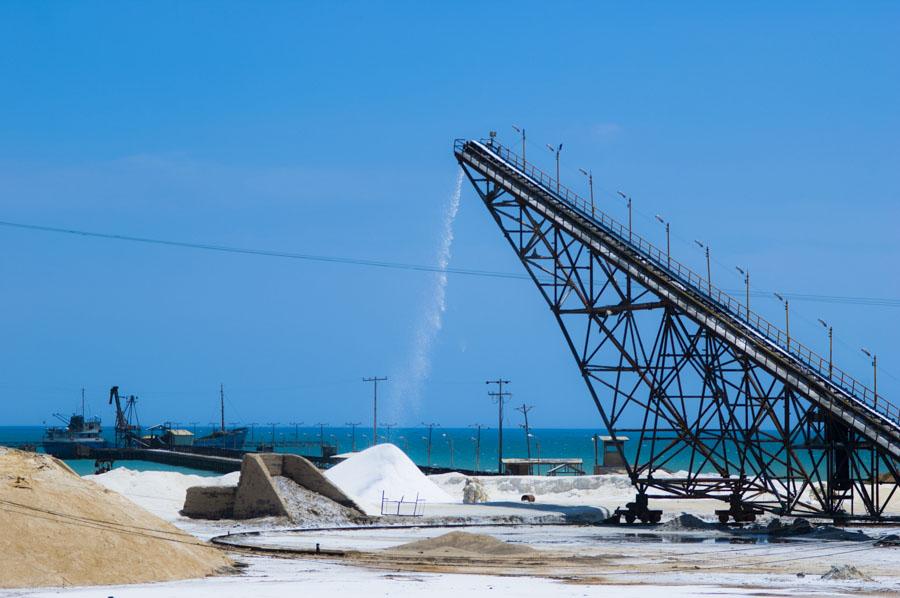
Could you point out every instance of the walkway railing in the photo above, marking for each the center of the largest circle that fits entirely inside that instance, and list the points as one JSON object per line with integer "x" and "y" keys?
{"x": 697, "y": 283}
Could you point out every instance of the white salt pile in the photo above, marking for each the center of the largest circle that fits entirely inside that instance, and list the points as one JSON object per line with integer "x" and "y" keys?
{"x": 686, "y": 521}
{"x": 311, "y": 509}
{"x": 160, "y": 492}
{"x": 846, "y": 573}
{"x": 561, "y": 490}
{"x": 465, "y": 544}
{"x": 474, "y": 492}
{"x": 384, "y": 468}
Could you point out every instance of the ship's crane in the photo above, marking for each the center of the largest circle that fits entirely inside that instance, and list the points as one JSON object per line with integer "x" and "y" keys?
{"x": 128, "y": 428}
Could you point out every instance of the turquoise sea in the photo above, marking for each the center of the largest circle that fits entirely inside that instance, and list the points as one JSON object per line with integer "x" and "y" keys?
{"x": 414, "y": 441}
{"x": 449, "y": 447}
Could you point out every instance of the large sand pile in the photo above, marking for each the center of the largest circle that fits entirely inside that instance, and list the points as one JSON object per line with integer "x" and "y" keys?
{"x": 464, "y": 544}
{"x": 384, "y": 468}
{"x": 59, "y": 530}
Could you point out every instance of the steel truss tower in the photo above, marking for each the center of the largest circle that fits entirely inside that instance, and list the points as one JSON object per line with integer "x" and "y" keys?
{"x": 701, "y": 384}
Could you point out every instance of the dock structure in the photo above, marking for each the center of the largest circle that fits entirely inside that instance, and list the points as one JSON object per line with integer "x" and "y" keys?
{"x": 216, "y": 463}
{"x": 208, "y": 459}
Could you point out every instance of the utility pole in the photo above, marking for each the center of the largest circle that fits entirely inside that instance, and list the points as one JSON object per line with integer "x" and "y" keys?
{"x": 499, "y": 396}
{"x": 297, "y": 432}
{"x": 450, "y": 442}
{"x": 82, "y": 402}
{"x": 431, "y": 428}
{"x": 524, "y": 409}
{"x": 222, "y": 404}
{"x": 477, "y": 445}
{"x": 375, "y": 380}
{"x": 322, "y": 436}
{"x": 273, "y": 424}
{"x": 353, "y": 426}
{"x": 389, "y": 427}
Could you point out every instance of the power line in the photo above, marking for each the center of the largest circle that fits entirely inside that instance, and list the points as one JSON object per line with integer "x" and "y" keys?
{"x": 841, "y": 299}
{"x": 262, "y": 252}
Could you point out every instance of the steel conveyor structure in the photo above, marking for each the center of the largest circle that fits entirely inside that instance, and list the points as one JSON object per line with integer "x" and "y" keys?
{"x": 699, "y": 382}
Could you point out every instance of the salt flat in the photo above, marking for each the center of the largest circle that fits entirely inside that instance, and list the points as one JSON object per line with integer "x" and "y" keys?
{"x": 577, "y": 560}
{"x": 277, "y": 578}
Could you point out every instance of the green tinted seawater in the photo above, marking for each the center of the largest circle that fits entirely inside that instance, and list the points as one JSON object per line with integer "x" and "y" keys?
{"x": 548, "y": 443}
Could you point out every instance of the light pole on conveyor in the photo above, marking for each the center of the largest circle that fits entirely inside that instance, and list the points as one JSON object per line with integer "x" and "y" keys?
{"x": 521, "y": 131}
{"x": 746, "y": 275}
{"x": 556, "y": 150}
{"x": 375, "y": 380}
{"x": 874, "y": 373}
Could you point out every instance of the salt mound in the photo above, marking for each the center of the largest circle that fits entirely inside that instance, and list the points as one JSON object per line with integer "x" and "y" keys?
{"x": 160, "y": 492}
{"x": 686, "y": 521}
{"x": 575, "y": 490}
{"x": 60, "y": 530}
{"x": 308, "y": 507}
{"x": 383, "y": 468}
{"x": 465, "y": 544}
{"x": 474, "y": 492}
{"x": 846, "y": 573}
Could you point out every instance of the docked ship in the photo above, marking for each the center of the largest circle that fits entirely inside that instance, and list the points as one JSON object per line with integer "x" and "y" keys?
{"x": 224, "y": 439}
{"x": 76, "y": 439}
{"x": 221, "y": 438}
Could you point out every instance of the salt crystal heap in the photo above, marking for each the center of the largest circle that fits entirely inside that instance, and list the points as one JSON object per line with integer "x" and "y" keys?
{"x": 386, "y": 469}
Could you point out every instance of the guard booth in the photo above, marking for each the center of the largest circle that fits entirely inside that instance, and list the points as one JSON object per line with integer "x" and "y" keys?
{"x": 612, "y": 461}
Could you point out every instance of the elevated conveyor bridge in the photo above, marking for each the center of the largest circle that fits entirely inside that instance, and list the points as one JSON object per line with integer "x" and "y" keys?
{"x": 748, "y": 415}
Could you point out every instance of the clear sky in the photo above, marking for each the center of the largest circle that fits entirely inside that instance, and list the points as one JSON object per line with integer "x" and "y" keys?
{"x": 770, "y": 131}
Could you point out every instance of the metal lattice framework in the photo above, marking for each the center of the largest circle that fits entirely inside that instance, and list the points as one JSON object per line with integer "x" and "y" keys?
{"x": 755, "y": 418}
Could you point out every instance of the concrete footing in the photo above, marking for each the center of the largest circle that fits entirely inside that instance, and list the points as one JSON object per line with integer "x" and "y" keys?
{"x": 256, "y": 495}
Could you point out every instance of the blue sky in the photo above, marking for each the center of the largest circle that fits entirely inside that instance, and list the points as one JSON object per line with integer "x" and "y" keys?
{"x": 770, "y": 132}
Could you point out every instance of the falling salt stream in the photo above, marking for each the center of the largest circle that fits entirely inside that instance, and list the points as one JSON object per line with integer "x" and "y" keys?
{"x": 406, "y": 385}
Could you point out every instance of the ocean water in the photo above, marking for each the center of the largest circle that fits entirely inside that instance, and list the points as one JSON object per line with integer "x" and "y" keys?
{"x": 449, "y": 447}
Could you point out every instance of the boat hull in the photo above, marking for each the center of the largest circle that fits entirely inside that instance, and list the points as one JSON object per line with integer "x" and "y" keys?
{"x": 71, "y": 449}
{"x": 230, "y": 439}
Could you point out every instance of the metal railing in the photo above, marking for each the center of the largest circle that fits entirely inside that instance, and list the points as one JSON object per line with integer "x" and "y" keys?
{"x": 698, "y": 284}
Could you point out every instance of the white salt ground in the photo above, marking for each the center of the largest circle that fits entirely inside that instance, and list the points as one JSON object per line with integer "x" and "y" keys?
{"x": 277, "y": 578}
{"x": 384, "y": 468}
{"x": 160, "y": 492}
{"x": 563, "y": 490}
